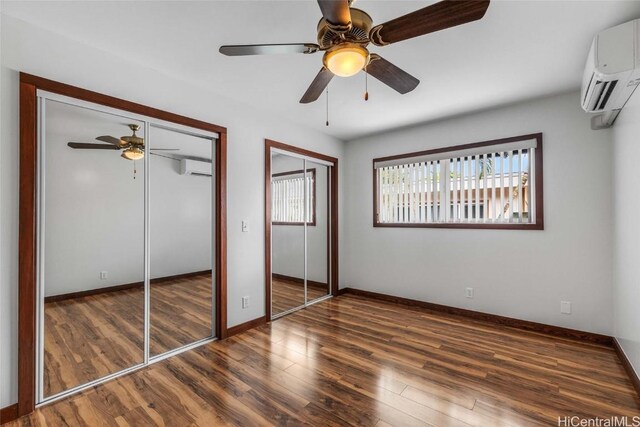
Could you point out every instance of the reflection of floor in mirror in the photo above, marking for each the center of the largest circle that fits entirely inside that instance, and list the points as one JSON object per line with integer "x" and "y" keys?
{"x": 89, "y": 337}
{"x": 287, "y": 294}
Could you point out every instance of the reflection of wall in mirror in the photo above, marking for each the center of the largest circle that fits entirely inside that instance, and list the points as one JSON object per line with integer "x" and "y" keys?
{"x": 287, "y": 244}
{"x": 95, "y": 218}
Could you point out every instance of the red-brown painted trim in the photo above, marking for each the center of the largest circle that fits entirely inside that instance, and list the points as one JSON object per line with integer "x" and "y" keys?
{"x": 267, "y": 228}
{"x": 221, "y": 236}
{"x": 238, "y": 329}
{"x": 298, "y": 172}
{"x": 315, "y": 202}
{"x": 27, "y": 251}
{"x": 633, "y": 375}
{"x": 335, "y": 267}
{"x": 333, "y": 214}
{"x": 9, "y": 413}
{"x": 113, "y": 102}
{"x": 487, "y": 317}
{"x": 539, "y": 224}
{"x": 123, "y": 287}
{"x": 29, "y": 85}
{"x": 513, "y": 226}
{"x": 298, "y": 150}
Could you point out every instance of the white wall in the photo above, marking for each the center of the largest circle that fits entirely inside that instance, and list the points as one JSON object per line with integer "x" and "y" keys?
{"x": 287, "y": 244}
{"x": 521, "y": 274}
{"x": 27, "y": 48}
{"x": 626, "y": 230}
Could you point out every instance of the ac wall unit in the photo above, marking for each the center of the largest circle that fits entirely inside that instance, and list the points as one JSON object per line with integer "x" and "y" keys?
{"x": 195, "y": 167}
{"x": 612, "y": 72}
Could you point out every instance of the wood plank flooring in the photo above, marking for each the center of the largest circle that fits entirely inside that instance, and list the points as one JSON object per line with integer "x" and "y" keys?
{"x": 286, "y": 294}
{"x": 89, "y": 337}
{"x": 356, "y": 361}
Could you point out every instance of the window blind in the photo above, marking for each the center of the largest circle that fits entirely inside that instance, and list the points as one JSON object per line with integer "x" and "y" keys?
{"x": 288, "y": 198}
{"x": 490, "y": 184}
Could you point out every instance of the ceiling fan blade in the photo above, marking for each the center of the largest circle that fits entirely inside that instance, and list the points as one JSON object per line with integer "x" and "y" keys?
{"x": 182, "y": 157}
{"x": 391, "y": 75}
{"x": 90, "y": 146}
{"x": 337, "y": 13}
{"x": 439, "y": 16}
{"x": 268, "y": 49}
{"x": 110, "y": 140}
{"x": 317, "y": 86}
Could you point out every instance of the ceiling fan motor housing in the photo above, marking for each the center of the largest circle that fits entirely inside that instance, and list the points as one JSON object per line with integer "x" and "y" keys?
{"x": 134, "y": 139}
{"x": 361, "y": 24}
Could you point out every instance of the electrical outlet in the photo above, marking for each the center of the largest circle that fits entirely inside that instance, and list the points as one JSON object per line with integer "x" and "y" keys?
{"x": 245, "y": 302}
{"x": 468, "y": 292}
{"x": 245, "y": 226}
{"x": 103, "y": 275}
{"x": 565, "y": 307}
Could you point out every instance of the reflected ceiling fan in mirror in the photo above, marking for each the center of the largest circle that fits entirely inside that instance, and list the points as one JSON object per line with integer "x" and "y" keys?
{"x": 345, "y": 32}
{"x": 132, "y": 146}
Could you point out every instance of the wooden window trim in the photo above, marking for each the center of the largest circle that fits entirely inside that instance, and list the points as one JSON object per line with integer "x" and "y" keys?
{"x": 313, "y": 191}
{"x": 29, "y": 84}
{"x": 539, "y": 223}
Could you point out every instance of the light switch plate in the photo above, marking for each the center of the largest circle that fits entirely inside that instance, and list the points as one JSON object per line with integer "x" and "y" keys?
{"x": 245, "y": 226}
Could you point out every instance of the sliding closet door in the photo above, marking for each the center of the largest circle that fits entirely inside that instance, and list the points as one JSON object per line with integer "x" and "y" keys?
{"x": 318, "y": 231}
{"x": 181, "y": 239}
{"x": 91, "y": 248}
{"x": 288, "y": 192}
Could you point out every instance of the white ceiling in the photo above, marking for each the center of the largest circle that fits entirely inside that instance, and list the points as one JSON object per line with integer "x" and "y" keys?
{"x": 519, "y": 50}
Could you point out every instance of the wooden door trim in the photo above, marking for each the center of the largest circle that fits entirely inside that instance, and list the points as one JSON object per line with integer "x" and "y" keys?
{"x": 333, "y": 214}
{"x": 29, "y": 85}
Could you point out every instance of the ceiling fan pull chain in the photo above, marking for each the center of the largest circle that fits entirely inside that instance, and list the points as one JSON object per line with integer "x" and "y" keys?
{"x": 327, "y": 123}
{"x": 134, "y": 169}
{"x": 366, "y": 84}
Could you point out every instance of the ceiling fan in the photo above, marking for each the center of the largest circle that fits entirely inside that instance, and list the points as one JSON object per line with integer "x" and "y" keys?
{"x": 132, "y": 145}
{"x": 345, "y": 32}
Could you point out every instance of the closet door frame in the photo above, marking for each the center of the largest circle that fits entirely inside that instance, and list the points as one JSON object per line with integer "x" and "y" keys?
{"x": 29, "y": 214}
{"x": 333, "y": 218}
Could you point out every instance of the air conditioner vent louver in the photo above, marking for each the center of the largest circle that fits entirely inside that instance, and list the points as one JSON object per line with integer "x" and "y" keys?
{"x": 601, "y": 94}
{"x": 607, "y": 93}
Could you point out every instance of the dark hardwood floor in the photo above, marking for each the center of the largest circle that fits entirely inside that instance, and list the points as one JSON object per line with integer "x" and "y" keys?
{"x": 356, "y": 361}
{"x": 90, "y": 337}
{"x": 286, "y": 294}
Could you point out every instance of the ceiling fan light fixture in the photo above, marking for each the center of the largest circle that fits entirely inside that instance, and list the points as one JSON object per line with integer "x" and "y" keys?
{"x": 133, "y": 153}
{"x": 346, "y": 60}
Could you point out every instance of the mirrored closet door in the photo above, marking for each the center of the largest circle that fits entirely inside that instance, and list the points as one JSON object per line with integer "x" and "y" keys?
{"x": 300, "y": 231}
{"x": 126, "y": 241}
{"x": 318, "y": 231}
{"x": 287, "y": 235}
{"x": 92, "y": 243}
{"x": 181, "y": 239}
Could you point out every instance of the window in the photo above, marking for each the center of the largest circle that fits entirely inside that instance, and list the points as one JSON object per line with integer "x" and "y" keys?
{"x": 493, "y": 184}
{"x": 288, "y": 194}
